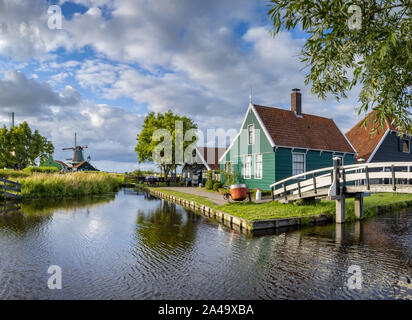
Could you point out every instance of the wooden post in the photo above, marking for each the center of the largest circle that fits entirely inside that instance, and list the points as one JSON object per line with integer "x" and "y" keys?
{"x": 368, "y": 187}
{"x": 273, "y": 195}
{"x": 284, "y": 191}
{"x": 314, "y": 183}
{"x": 393, "y": 178}
{"x": 359, "y": 206}
{"x": 340, "y": 209}
{"x": 299, "y": 192}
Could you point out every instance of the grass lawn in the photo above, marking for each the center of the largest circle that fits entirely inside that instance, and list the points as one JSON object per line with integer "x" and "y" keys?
{"x": 274, "y": 209}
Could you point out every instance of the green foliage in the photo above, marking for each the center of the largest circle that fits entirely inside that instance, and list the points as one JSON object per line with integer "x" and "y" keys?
{"x": 146, "y": 145}
{"x": 13, "y": 174}
{"x": 42, "y": 185}
{"x": 217, "y": 185}
{"x": 41, "y": 169}
{"x": 377, "y": 57}
{"x": 20, "y": 147}
{"x": 209, "y": 184}
{"x": 229, "y": 176}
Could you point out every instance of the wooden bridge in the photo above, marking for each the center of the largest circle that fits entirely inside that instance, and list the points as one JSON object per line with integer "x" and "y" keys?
{"x": 10, "y": 191}
{"x": 341, "y": 182}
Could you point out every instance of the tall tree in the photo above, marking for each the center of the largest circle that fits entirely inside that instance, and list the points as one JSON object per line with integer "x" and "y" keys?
{"x": 365, "y": 42}
{"x": 167, "y": 123}
{"x": 20, "y": 147}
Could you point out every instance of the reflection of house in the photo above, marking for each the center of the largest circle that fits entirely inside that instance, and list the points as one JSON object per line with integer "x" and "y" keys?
{"x": 274, "y": 144}
{"x": 203, "y": 159}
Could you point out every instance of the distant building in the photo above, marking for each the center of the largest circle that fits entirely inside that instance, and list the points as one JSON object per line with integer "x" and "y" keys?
{"x": 203, "y": 159}
{"x": 384, "y": 146}
{"x": 84, "y": 166}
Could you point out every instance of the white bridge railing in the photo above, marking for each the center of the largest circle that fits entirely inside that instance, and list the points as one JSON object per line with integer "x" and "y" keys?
{"x": 316, "y": 183}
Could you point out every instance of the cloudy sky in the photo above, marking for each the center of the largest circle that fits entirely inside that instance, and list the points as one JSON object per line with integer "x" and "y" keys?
{"x": 114, "y": 61}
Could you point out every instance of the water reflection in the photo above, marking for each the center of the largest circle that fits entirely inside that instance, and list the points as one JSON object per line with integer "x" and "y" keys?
{"x": 134, "y": 246}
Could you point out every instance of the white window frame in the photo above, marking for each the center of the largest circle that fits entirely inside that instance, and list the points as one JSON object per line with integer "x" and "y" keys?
{"x": 253, "y": 134}
{"x": 261, "y": 166}
{"x": 304, "y": 164}
{"x": 409, "y": 145}
{"x": 250, "y": 167}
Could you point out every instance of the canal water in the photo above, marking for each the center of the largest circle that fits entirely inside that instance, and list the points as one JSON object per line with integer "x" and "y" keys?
{"x": 130, "y": 245}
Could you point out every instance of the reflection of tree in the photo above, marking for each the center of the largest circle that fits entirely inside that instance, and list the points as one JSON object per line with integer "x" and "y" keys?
{"x": 42, "y": 206}
{"x": 166, "y": 226}
{"x": 35, "y": 214}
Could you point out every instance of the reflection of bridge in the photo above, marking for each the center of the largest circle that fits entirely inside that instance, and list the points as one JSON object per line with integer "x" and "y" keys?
{"x": 341, "y": 182}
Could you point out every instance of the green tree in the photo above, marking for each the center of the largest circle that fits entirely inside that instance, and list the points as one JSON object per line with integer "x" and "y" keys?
{"x": 146, "y": 144}
{"x": 20, "y": 147}
{"x": 369, "y": 45}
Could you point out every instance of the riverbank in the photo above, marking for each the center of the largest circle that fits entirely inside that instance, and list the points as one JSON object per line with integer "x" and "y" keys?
{"x": 254, "y": 216}
{"x": 54, "y": 185}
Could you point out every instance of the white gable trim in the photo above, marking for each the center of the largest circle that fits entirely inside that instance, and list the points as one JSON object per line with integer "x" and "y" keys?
{"x": 353, "y": 148}
{"x": 203, "y": 159}
{"x": 251, "y": 107}
{"x": 379, "y": 145}
{"x": 272, "y": 143}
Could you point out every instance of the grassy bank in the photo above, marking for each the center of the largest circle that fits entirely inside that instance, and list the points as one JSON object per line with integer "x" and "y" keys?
{"x": 276, "y": 210}
{"x": 43, "y": 185}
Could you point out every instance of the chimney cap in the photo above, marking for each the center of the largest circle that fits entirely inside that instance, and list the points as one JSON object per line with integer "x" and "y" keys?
{"x": 296, "y": 89}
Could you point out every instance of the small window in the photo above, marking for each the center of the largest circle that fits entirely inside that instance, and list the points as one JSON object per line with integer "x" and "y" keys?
{"x": 298, "y": 165}
{"x": 258, "y": 166}
{"x": 406, "y": 146}
{"x": 250, "y": 132}
{"x": 247, "y": 167}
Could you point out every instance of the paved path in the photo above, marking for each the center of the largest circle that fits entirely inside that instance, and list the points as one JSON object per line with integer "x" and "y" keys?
{"x": 215, "y": 197}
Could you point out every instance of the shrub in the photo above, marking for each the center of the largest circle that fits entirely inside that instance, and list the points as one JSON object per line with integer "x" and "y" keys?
{"x": 209, "y": 185}
{"x": 217, "y": 185}
{"x": 42, "y": 185}
{"x": 41, "y": 169}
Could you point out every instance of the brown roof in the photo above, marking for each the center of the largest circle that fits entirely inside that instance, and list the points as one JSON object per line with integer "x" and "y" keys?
{"x": 62, "y": 163}
{"x": 212, "y": 156}
{"x": 361, "y": 138}
{"x": 308, "y": 131}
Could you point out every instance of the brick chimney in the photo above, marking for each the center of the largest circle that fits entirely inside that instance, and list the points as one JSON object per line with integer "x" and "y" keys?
{"x": 296, "y": 101}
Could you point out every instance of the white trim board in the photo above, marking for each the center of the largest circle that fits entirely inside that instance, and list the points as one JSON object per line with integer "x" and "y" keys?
{"x": 378, "y": 145}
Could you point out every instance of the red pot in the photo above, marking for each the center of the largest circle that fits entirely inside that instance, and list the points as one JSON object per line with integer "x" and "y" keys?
{"x": 238, "y": 192}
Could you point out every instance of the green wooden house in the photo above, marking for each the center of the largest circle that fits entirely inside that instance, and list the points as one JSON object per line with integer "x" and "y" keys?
{"x": 50, "y": 162}
{"x": 274, "y": 144}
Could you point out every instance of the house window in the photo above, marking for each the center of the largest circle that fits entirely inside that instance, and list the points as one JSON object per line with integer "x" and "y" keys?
{"x": 247, "y": 167}
{"x": 251, "y": 134}
{"x": 406, "y": 146}
{"x": 258, "y": 166}
{"x": 298, "y": 163}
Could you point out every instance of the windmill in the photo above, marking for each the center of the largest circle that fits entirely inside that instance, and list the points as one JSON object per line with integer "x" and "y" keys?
{"x": 77, "y": 152}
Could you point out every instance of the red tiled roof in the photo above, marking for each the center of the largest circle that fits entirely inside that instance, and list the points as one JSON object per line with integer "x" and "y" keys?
{"x": 79, "y": 164}
{"x": 307, "y": 132}
{"x": 62, "y": 163}
{"x": 212, "y": 156}
{"x": 363, "y": 141}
